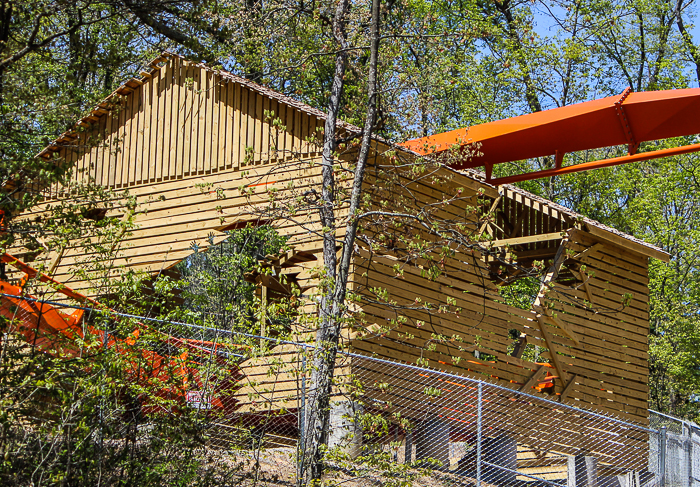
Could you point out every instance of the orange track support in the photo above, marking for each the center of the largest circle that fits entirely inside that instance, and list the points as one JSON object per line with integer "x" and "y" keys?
{"x": 627, "y": 119}
{"x": 49, "y": 329}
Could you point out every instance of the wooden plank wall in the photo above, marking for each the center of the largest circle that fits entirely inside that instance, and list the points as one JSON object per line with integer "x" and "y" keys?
{"x": 185, "y": 121}
{"x": 609, "y": 362}
{"x": 183, "y": 141}
{"x": 179, "y": 142}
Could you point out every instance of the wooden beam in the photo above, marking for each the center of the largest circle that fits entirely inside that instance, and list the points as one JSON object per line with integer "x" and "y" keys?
{"x": 567, "y": 389}
{"x": 518, "y": 222}
{"x": 629, "y": 244}
{"x": 523, "y": 240}
{"x": 552, "y": 350}
{"x": 56, "y": 261}
{"x": 561, "y": 325}
{"x": 584, "y": 280}
{"x": 539, "y": 305}
{"x": 535, "y": 377}
{"x": 590, "y": 250}
{"x": 488, "y": 214}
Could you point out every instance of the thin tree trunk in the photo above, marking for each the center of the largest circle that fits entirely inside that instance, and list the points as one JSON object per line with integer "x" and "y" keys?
{"x": 332, "y": 304}
{"x": 687, "y": 39}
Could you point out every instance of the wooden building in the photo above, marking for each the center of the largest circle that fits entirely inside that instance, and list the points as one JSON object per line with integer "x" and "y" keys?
{"x": 204, "y": 151}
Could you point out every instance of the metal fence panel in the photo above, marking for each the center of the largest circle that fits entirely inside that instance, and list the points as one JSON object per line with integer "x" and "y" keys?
{"x": 462, "y": 430}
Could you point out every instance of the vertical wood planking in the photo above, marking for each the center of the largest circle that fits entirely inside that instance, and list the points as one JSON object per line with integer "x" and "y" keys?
{"x": 91, "y": 140}
{"x": 108, "y": 158}
{"x": 105, "y": 160}
{"x": 247, "y": 127}
{"x": 79, "y": 165}
{"x": 168, "y": 93}
{"x": 265, "y": 146}
{"x": 205, "y": 124}
{"x": 313, "y": 122}
{"x": 281, "y": 133}
{"x": 145, "y": 122}
{"x": 128, "y": 134}
{"x": 161, "y": 153}
{"x": 71, "y": 159}
{"x": 274, "y": 130}
{"x": 177, "y": 139}
{"x": 143, "y": 118}
{"x": 135, "y": 152}
{"x": 117, "y": 136}
{"x": 128, "y": 170}
{"x": 213, "y": 129}
{"x": 220, "y": 135}
{"x": 305, "y": 131}
{"x": 195, "y": 139}
{"x": 224, "y": 122}
{"x": 289, "y": 131}
{"x": 202, "y": 147}
{"x": 258, "y": 115}
{"x": 236, "y": 132}
{"x": 189, "y": 115}
{"x": 150, "y": 132}
{"x": 297, "y": 133}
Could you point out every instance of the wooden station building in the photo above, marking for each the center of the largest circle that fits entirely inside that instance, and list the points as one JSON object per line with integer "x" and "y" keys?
{"x": 203, "y": 151}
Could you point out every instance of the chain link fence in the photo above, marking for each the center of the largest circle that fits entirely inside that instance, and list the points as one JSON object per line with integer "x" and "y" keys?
{"x": 388, "y": 420}
{"x": 679, "y": 449}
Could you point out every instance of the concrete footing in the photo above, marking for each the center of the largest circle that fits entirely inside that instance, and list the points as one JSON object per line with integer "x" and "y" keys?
{"x": 499, "y": 451}
{"x": 582, "y": 471}
{"x": 433, "y": 442}
{"x": 499, "y": 460}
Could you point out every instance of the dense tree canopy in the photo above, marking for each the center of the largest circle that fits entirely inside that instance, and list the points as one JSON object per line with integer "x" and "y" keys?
{"x": 442, "y": 65}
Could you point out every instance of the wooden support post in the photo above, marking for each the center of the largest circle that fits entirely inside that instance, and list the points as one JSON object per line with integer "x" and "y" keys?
{"x": 520, "y": 346}
{"x": 567, "y": 390}
{"x": 56, "y": 261}
{"x": 561, "y": 325}
{"x": 534, "y": 378}
{"x": 488, "y": 214}
{"x": 539, "y": 306}
{"x": 552, "y": 350}
{"x": 584, "y": 280}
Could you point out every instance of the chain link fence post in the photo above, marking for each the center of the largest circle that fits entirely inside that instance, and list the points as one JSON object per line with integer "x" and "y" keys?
{"x": 302, "y": 418}
{"x": 478, "y": 433}
{"x": 662, "y": 456}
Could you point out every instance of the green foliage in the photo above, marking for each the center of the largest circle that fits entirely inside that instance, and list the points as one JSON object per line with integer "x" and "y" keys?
{"x": 214, "y": 284}
{"x": 78, "y": 413}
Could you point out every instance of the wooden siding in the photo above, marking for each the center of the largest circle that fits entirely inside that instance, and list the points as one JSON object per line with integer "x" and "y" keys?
{"x": 197, "y": 151}
{"x": 607, "y": 365}
{"x": 185, "y": 121}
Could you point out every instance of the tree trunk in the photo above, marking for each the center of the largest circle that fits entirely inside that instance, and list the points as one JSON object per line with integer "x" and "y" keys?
{"x": 332, "y": 306}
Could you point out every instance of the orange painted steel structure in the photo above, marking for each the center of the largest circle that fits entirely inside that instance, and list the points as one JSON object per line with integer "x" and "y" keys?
{"x": 627, "y": 119}
{"x": 50, "y": 330}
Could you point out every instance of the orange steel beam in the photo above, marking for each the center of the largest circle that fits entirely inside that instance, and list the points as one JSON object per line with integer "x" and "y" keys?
{"x": 627, "y": 119}
{"x": 587, "y": 166}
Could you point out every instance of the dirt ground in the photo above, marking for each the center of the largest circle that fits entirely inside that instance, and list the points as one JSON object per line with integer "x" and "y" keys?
{"x": 277, "y": 468}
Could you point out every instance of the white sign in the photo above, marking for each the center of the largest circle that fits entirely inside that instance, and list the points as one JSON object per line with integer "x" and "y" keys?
{"x": 198, "y": 400}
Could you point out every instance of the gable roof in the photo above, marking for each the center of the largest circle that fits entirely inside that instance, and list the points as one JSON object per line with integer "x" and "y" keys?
{"x": 106, "y": 105}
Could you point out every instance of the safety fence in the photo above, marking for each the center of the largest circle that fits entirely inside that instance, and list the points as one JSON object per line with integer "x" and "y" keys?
{"x": 388, "y": 420}
{"x": 679, "y": 449}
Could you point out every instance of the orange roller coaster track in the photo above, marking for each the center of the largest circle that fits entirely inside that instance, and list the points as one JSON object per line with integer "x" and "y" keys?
{"x": 51, "y": 330}
{"x": 628, "y": 119}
